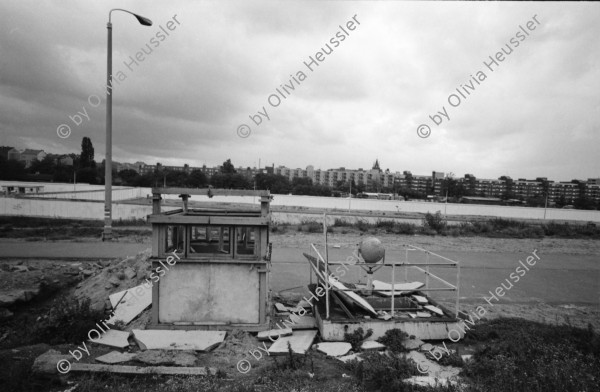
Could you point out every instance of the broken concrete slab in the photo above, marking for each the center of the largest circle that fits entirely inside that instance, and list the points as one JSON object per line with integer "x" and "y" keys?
{"x": 47, "y": 363}
{"x": 132, "y": 304}
{"x": 428, "y": 381}
{"x": 412, "y": 344}
{"x": 420, "y": 299}
{"x": 434, "y": 309}
{"x": 351, "y": 357}
{"x": 432, "y": 367}
{"x": 19, "y": 268}
{"x": 123, "y": 369}
{"x": 114, "y": 357}
{"x": 384, "y": 316}
{"x": 371, "y": 345}
{"x": 426, "y": 347}
{"x": 273, "y": 333}
{"x": 114, "y": 338}
{"x": 301, "y": 322}
{"x": 281, "y": 307}
{"x": 167, "y": 358}
{"x": 333, "y": 349}
{"x": 300, "y": 342}
{"x": 150, "y": 339}
{"x": 423, "y": 314}
{"x": 129, "y": 273}
{"x": 10, "y": 297}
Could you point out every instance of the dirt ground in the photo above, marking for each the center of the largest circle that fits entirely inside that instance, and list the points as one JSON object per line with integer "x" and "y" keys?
{"x": 42, "y": 281}
{"x": 349, "y": 237}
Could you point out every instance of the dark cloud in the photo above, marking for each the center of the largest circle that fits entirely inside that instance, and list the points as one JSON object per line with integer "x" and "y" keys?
{"x": 536, "y": 114}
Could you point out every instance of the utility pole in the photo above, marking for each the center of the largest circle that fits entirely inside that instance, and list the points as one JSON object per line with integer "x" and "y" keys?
{"x": 350, "y": 196}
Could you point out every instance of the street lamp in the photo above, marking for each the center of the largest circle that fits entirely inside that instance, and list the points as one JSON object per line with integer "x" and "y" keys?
{"x": 448, "y": 176}
{"x": 107, "y": 233}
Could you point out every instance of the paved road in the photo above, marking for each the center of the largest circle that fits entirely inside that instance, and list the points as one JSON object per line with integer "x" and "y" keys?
{"x": 555, "y": 278}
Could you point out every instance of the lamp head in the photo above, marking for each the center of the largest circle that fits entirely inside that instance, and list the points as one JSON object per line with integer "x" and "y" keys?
{"x": 142, "y": 20}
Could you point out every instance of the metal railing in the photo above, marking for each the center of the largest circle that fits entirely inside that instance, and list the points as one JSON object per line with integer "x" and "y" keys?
{"x": 446, "y": 263}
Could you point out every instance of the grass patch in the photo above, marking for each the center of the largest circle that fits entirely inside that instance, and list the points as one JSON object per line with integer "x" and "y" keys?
{"x": 519, "y": 355}
{"x": 383, "y": 372}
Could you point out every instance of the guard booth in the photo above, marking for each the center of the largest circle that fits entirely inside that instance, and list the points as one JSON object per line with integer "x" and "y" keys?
{"x": 220, "y": 277}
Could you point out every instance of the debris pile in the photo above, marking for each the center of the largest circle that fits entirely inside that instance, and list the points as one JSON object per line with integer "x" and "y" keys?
{"x": 112, "y": 278}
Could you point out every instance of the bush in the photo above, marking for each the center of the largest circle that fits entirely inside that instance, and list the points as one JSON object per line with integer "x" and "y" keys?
{"x": 311, "y": 226}
{"x": 404, "y": 228}
{"x": 383, "y": 372}
{"x": 363, "y": 225}
{"x": 278, "y": 228}
{"x": 341, "y": 223}
{"x": 434, "y": 222}
{"x": 385, "y": 224}
{"x": 69, "y": 321}
{"x": 500, "y": 224}
{"x": 357, "y": 337}
{"x": 393, "y": 340}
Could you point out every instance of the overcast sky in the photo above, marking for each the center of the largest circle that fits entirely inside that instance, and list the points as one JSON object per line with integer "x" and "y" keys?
{"x": 535, "y": 114}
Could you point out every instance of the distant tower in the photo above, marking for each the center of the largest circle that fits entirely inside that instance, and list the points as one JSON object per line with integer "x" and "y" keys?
{"x": 376, "y": 165}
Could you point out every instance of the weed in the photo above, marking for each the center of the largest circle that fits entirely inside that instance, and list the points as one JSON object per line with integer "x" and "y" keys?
{"x": 357, "y": 337}
{"x": 520, "y": 355}
{"x": 68, "y": 321}
{"x": 393, "y": 340}
{"x": 341, "y": 223}
{"x": 383, "y": 372}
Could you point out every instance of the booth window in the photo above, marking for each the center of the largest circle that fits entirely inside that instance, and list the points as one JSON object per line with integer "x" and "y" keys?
{"x": 209, "y": 240}
{"x": 246, "y": 240}
{"x": 174, "y": 239}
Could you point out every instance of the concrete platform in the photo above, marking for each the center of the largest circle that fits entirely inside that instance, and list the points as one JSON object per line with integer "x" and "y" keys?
{"x": 431, "y": 328}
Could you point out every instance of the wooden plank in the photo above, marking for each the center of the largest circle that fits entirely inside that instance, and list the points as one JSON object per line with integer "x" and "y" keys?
{"x": 300, "y": 342}
{"x": 123, "y": 369}
{"x": 214, "y": 192}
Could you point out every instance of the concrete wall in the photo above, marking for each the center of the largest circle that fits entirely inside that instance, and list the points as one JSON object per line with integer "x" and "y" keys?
{"x": 58, "y": 208}
{"x": 71, "y": 209}
{"x": 117, "y": 194}
{"x": 335, "y": 203}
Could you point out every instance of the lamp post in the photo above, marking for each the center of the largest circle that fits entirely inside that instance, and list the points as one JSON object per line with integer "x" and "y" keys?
{"x": 107, "y": 233}
{"x": 448, "y": 179}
